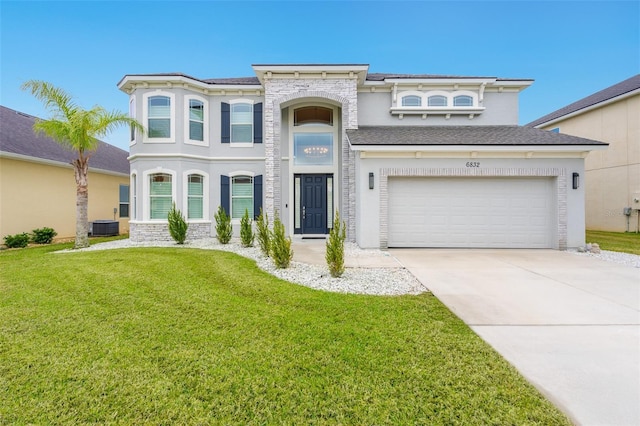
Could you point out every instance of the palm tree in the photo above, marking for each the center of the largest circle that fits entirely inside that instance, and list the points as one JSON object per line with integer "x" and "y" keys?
{"x": 78, "y": 130}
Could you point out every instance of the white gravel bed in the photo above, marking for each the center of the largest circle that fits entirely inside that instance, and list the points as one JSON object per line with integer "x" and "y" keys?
{"x": 613, "y": 256}
{"x": 374, "y": 281}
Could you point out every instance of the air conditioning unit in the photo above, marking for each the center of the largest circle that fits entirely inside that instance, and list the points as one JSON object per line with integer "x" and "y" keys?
{"x": 104, "y": 228}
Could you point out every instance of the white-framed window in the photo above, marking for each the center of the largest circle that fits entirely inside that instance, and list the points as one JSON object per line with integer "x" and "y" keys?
{"x": 463, "y": 101}
{"x": 134, "y": 196}
{"x": 132, "y": 114}
{"x": 241, "y": 196}
{"x": 241, "y": 122}
{"x": 411, "y": 101}
{"x": 196, "y": 120}
{"x": 313, "y": 149}
{"x": 437, "y": 101}
{"x": 159, "y": 116}
{"x": 124, "y": 201}
{"x": 196, "y": 190}
{"x": 312, "y": 116}
{"x": 160, "y": 195}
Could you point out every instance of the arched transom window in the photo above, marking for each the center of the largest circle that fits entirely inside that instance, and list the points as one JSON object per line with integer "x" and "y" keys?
{"x": 313, "y": 115}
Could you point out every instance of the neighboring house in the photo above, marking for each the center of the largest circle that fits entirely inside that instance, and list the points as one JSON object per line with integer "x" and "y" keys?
{"x": 612, "y": 177}
{"x": 37, "y": 181}
{"x": 407, "y": 160}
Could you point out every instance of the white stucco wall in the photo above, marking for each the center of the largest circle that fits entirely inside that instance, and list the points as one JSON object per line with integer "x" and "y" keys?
{"x": 570, "y": 202}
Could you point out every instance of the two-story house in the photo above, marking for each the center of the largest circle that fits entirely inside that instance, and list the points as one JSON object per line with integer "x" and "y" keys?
{"x": 407, "y": 160}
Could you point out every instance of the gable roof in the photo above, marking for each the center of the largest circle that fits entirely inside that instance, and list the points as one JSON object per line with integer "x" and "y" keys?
{"x": 461, "y": 135}
{"x": 17, "y": 137}
{"x": 626, "y": 86}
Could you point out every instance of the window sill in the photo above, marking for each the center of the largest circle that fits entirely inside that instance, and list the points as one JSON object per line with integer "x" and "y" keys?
{"x": 447, "y": 112}
{"x": 158, "y": 140}
{"x": 196, "y": 143}
{"x": 241, "y": 144}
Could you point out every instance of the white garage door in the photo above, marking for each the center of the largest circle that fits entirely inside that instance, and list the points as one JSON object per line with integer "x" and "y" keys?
{"x": 472, "y": 212}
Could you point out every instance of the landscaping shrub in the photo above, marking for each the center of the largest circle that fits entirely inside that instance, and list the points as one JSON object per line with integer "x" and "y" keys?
{"x": 224, "y": 229}
{"x": 281, "y": 252}
{"x": 17, "y": 240}
{"x": 43, "y": 235}
{"x": 335, "y": 247}
{"x": 263, "y": 234}
{"x": 246, "y": 231}
{"x": 177, "y": 225}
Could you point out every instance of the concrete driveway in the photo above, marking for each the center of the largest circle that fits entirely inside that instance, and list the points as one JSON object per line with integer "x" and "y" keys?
{"x": 570, "y": 324}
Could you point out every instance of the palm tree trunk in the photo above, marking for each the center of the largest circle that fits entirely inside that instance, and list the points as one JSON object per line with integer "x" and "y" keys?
{"x": 81, "y": 169}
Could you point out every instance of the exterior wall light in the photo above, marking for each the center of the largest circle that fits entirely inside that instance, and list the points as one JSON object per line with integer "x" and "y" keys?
{"x": 370, "y": 180}
{"x": 576, "y": 180}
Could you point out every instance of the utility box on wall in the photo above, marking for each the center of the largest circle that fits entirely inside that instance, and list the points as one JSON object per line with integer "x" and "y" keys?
{"x": 104, "y": 228}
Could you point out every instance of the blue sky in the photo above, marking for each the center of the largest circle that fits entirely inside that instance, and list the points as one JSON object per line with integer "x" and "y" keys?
{"x": 570, "y": 48}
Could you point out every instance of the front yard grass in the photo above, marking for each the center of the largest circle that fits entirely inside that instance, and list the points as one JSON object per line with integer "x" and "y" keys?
{"x": 625, "y": 242}
{"x": 185, "y": 336}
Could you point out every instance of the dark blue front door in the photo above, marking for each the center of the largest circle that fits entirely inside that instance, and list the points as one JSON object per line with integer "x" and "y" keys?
{"x": 314, "y": 204}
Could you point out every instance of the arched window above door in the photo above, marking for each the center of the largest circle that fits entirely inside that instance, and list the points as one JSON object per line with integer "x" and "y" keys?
{"x": 313, "y": 115}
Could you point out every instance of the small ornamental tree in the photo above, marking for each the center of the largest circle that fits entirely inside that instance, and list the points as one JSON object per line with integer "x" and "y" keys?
{"x": 281, "y": 252}
{"x": 177, "y": 225}
{"x": 224, "y": 228}
{"x": 263, "y": 234}
{"x": 335, "y": 247}
{"x": 78, "y": 130}
{"x": 246, "y": 231}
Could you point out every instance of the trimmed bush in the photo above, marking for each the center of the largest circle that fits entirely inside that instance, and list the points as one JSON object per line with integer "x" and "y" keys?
{"x": 17, "y": 240}
{"x": 177, "y": 225}
{"x": 43, "y": 235}
{"x": 335, "y": 247}
{"x": 281, "y": 252}
{"x": 246, "y": 231}
{"x": 263, "y": 234}
{"x": 224, "y": 229}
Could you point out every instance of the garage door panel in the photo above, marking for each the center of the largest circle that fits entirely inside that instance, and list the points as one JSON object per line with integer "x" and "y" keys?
{"x": 471, "y": 212}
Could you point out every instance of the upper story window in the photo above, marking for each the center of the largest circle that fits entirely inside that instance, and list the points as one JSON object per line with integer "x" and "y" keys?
{"x": 411, "y": 101}
{"x": 437, "y": 101}
{"x": 241, "y": 122}
{"x": 463, "y": 100}
{"x": 313, "y": 115}
{"x": 160, "y": 195}
{"x": 195, "y": 197}
{"x": 196, "y": 120}
{"x": 159, "y": 115}
{"x": 196, "y": 129}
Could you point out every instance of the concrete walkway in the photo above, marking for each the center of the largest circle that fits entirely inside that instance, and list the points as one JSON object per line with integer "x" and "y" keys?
{"x": 570, "y": 324}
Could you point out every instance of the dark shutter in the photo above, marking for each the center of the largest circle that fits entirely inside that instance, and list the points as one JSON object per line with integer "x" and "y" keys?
{"x": 257, "y": 123}
{"x": 225, "y": 123}
{"x": 225, "y": 196}
{"x": 257, "y": 195}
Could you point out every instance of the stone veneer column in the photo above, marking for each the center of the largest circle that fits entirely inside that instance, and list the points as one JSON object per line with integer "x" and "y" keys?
{"x": 278, "y": 91}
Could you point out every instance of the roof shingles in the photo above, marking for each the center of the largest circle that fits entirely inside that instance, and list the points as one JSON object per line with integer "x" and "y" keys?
{"x": 461, "y": 135}
{"x": 611, "y": 92}
{"x": 17, "y": 137}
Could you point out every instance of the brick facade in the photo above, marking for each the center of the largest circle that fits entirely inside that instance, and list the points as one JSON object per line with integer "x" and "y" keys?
{"x": 280, "y": 91}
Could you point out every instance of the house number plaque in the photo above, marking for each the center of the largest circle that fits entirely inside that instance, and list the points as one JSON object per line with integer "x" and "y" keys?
{"x": 473, "y": 164}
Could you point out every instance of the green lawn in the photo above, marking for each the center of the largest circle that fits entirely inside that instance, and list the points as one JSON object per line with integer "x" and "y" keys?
{"x": 626, "y": 242}
{"x": 186, "y": 336}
